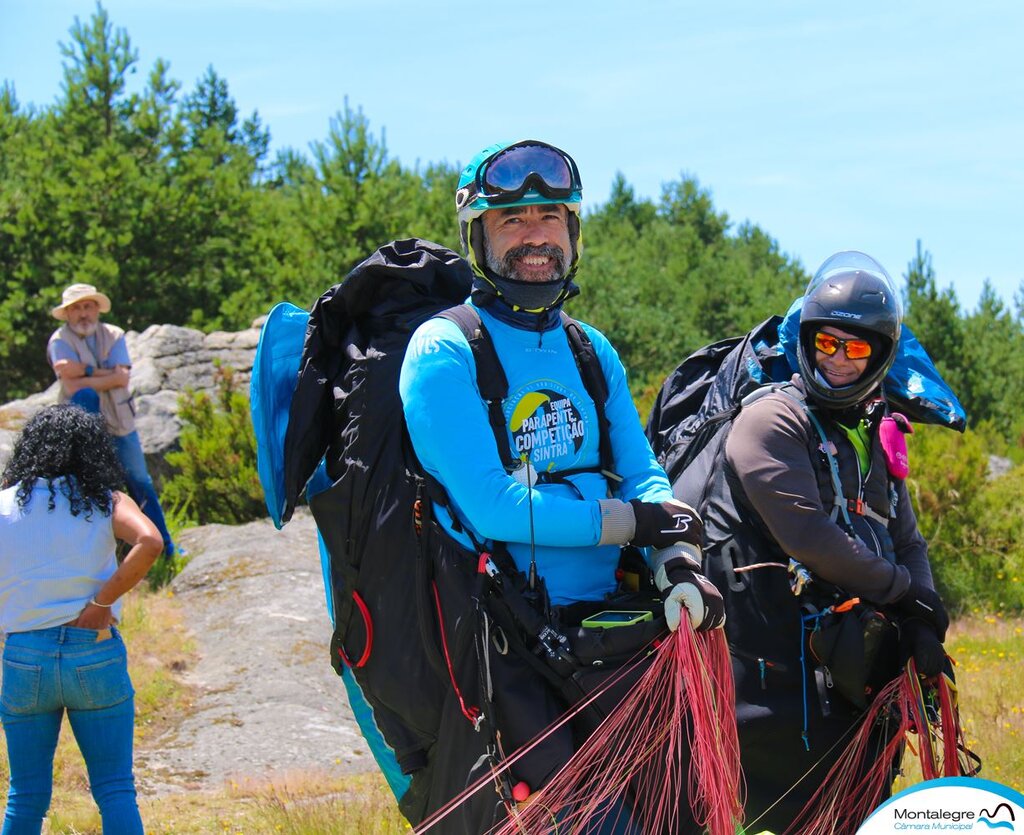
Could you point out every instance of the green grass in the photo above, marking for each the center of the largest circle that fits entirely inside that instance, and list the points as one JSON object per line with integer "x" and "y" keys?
{"x": 988, "y": 650}
{"x": 300, "y": 804}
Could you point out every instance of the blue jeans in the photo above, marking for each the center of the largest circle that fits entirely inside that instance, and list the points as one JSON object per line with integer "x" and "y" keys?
{"x": 45, "y": 672}
{"x": 129, "y": 451}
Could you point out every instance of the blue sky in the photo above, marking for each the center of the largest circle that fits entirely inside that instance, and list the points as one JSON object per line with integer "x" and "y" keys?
{"x": 831, "y": 125}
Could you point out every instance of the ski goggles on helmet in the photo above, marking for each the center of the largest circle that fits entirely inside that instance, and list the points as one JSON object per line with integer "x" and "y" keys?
{"x": 856, "y": 349}
{"x": 512, "y": 172}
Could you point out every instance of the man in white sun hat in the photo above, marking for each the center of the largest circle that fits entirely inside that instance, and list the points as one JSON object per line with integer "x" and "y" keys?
{"x": 91, "y": 361}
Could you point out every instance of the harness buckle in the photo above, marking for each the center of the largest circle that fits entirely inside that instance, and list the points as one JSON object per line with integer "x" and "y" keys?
{"x": 845, "y": 606}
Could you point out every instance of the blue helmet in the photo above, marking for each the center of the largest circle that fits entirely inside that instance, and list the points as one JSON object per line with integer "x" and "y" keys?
{"x": 522, "y": 173}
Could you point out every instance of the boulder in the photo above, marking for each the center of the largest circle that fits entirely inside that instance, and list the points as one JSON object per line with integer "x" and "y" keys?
{"x": 166, "y": 360}
{"x": 267, "y": 701}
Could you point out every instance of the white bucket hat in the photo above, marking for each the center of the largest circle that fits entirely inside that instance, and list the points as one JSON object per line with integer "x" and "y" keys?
{"x": 79, "y": 293}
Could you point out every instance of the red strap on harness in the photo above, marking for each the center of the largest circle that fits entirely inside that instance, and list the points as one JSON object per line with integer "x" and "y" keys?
{"x": 470, "y": 712}
{"x": 368, "y": 624}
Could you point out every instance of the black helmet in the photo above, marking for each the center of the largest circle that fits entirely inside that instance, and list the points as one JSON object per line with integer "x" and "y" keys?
{"x": 853, "y": 292}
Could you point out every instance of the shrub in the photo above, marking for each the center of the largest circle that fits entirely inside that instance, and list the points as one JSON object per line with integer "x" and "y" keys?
{"x": 216, "y": 478}
{"x": 970, "y": 521}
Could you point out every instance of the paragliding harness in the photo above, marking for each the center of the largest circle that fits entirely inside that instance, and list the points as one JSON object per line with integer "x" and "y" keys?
{"x": 850, "y": 643}
{"x": 439, "y": 640}
{"x": 688, "y": 429}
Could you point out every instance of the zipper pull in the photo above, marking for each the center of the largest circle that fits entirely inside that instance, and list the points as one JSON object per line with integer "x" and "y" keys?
{"x": 828, "y": 677}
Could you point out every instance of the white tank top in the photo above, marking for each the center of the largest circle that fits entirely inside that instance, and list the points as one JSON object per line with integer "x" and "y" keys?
{"x": 51, "y": 563}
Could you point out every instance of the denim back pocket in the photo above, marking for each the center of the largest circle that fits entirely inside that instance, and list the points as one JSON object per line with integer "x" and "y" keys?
{"x": 104, "y": 683}
{"x": 21, "y": 687}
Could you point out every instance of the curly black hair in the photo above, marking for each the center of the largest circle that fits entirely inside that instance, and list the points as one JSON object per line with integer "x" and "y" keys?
{"x": 71, "y": 449}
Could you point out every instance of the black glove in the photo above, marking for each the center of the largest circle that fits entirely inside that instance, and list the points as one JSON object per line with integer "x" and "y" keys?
{"x": 681, "y": 588}
{"x": 924, "y": 603}
{"x": 660, "y": 524}
{"x": 918, "y": 639}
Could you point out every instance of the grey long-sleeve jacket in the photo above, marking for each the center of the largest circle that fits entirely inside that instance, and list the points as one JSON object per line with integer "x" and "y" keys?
{"x": 775, "y": 455}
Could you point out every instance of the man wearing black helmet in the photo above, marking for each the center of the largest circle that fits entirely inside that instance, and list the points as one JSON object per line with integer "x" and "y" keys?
{"x": 813, "y": 482}
{"x": 849, "y": 330}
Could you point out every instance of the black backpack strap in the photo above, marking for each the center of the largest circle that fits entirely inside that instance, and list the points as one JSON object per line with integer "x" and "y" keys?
{"x": 490, "y": 376}
{"x": 493, "y": 384}
{"x": 596, "y": 385}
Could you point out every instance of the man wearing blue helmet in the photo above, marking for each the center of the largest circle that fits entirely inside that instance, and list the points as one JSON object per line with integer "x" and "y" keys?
{"x": 559, "y": 511}
{"x": 518, "y": 181}
{"x": 518, "y": 209}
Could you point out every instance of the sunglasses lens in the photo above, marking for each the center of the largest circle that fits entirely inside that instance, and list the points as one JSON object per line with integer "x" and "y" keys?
{"x": 857, "y": 349}
{"x": 826, "y": 343}
{"x": 509, "y": 171}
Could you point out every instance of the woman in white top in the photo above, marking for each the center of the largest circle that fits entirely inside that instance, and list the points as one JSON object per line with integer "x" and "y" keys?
{"x": 60, "y": 598}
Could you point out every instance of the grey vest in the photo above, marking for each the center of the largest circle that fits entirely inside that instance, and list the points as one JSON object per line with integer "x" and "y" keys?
{"x": 115, "y": 404}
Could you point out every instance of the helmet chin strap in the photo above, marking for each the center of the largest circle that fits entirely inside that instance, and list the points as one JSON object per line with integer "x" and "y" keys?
{"x": 861, "y": 401}
{"x": 525, "y": 296}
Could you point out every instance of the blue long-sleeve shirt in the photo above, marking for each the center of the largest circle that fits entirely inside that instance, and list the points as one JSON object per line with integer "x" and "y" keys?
{"x": 551, "y": 420}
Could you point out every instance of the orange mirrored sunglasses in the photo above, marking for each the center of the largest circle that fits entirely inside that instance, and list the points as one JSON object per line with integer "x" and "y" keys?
{"x": 856, "y": 349}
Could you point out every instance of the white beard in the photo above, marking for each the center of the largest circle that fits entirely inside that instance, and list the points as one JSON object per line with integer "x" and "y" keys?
{"x": 84, "y": 329}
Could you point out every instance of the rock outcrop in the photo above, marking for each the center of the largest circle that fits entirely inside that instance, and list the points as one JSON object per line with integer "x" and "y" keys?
{"x": 267, "y": 700}
{"x": 166, "y": 360}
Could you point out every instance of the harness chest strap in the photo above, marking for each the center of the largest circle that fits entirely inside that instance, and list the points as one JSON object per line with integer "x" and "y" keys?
{"x": 862, "y": 508}
{"x": 493, "y": 383}
{"x": 840, "y": 503}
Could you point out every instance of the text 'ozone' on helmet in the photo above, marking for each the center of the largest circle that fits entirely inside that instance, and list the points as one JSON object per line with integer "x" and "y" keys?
{"x": 853, "y": 292}
{"x": 524, "y": 173}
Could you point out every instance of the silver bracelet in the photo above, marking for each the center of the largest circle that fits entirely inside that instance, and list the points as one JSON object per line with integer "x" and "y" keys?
{"x": 95, "y": 602}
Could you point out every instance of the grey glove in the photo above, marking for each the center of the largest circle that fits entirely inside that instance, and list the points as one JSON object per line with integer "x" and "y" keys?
{"x": 682, "y": 586}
